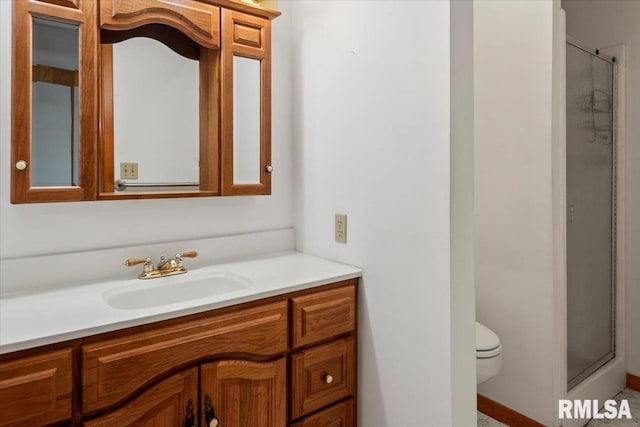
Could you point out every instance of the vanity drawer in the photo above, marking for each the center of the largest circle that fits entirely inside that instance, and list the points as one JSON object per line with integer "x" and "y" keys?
{"x": 114, "y": 369}
{"x": 323, "y": 315}
{"x": 322, "y": 375}
{"x": 338, "y": 415}
{"x": 36, "y": 390}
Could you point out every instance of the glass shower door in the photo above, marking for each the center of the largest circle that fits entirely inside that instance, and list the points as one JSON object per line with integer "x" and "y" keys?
{"x": 591, "y": 212}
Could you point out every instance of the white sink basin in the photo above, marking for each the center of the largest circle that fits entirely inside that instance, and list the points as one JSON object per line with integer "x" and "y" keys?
{"x": 139, "y": 294}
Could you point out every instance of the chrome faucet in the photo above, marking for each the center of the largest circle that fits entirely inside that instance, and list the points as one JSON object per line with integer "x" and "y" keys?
{"x": 166, "y": 267}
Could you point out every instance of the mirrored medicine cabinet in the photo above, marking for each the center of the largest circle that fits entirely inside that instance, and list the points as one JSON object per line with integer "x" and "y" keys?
{"x": 147, "y": 99}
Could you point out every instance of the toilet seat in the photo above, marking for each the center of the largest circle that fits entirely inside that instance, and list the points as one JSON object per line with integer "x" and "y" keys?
{"x": 487, "y": 342}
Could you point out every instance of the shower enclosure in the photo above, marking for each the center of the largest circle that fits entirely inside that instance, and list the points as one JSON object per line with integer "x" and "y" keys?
{"x": 591, "y": 211}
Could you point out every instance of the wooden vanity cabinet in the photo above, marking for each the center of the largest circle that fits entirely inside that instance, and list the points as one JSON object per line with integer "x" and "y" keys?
{"x": 286, "y": 361}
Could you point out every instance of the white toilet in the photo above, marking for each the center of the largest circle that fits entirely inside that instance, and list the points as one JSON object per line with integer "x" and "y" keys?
{"x": 488, "y": 353}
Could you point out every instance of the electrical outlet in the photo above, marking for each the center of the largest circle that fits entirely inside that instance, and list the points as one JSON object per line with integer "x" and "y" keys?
{"x": 341, "y": 228}
{"x": 128, "y": 171}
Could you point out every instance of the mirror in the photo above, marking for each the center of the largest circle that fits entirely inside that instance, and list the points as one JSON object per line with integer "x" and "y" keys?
{"x": 55, "y": 104}
{"x": 246, "y": 120}
{"x": 155, "y": 116}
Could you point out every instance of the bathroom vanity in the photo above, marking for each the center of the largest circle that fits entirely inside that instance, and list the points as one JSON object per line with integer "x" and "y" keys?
{"x": 282, "y": 353}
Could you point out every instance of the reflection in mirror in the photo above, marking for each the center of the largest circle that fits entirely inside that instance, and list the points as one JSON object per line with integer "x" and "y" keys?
{"x": 156, "y": 114}
{"x": 246, "y": 120}
{"x": 55, "y": 124}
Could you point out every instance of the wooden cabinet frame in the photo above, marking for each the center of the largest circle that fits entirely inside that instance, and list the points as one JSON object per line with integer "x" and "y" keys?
{"x": 205, "y": 22}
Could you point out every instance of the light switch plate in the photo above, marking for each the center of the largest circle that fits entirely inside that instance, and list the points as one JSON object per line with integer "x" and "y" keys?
{"x": 128, "y": 170}
{"x": 341, "y": 228}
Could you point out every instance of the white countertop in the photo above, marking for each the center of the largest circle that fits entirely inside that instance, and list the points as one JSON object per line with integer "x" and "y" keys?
{"x": 33, "y": 320}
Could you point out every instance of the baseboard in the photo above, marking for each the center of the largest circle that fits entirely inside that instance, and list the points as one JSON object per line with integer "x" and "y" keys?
{"x": 503, "y": 414}
{"x": 633, "y": 382}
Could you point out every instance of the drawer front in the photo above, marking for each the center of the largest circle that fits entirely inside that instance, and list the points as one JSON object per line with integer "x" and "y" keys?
{"x": 323, "y": 315}
{"x": 116, "y": 368}
{"x": 36, "y": 390}
{"x": 338, "y": 415}
{"x": 322, "y": 375}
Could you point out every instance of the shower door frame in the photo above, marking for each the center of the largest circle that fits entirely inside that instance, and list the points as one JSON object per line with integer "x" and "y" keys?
{"x": 614, "y": 347}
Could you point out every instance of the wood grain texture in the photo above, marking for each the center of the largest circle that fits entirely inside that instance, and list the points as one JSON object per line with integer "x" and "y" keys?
{"x": 74, "y": 4}
{"x": 169, "y": 36}
{"x": 58, "y": 76}
{"x": 310, "y": 389}
{"x": 633, "y": 382}
{"x": 504, "y": 414}
{"x": 246, "y": 393}
{"x": 244, "y": 7}
{"x": 322, "y": 315}
{"x": 106, "y": 139}
{"x": 164, "y": 405}
{"x": 338, "y": 415}
{"x": 114, "y": 369}
{"x": 199, "y": 21}
{"x": 36, "y": 390}
{"x": 230, "y": 48}
{"x": 210, "y": 120}
{"x": 22, "y": 77}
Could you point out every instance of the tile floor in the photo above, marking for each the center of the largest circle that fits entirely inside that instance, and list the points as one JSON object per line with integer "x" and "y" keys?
{"x": 634, "y": 404}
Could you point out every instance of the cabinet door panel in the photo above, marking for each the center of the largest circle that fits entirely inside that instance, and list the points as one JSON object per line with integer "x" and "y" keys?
{"x": 245, "y": 393}
{"x": 36, "y": 390}
{"x": 164, "y": 405}
{"x": 115, "y": 368}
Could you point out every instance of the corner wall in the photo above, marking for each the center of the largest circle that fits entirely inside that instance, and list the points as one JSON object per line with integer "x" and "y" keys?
{"x": 514, "y": 199}
{"x": 33, "y": 229}
{"x": 371, "y": 139}
{"x": 617, "y": 24}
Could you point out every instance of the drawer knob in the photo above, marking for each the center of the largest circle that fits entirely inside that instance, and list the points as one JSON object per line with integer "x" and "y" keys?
{"x": 328, "y": 379}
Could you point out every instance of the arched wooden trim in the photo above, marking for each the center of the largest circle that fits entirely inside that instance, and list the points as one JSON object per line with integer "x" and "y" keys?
{"x": 198, "y": 21}
{"x": 169, "y": 36}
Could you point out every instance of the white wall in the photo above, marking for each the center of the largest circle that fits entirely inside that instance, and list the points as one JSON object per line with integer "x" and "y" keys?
{"x": 463, "y": 313}
{"x": 514, "y": 254}
{"x": 601, "y": 24}
{"x": 51, "y": 228}
{"x": 371, "y": 139}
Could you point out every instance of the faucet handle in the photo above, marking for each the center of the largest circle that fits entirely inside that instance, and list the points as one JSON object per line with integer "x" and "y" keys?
{"x": 135, "y": 261}
{"x": 190, "y": 254}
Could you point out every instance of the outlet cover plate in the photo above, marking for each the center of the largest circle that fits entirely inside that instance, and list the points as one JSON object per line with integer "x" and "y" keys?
{"x": 128, "y": 170}
{"x": 341, "y": 228}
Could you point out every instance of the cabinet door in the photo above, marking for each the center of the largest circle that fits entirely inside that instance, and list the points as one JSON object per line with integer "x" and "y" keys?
{"x": 246, "y": 105}
{"x": 54, "y": 101}
{"x": 170, "y": 403}
{"x": 239, "y": 393}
